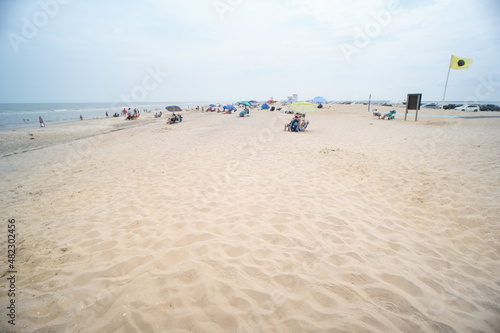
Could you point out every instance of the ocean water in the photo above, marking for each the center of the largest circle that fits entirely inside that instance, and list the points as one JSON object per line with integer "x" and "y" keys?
{"x": 26, "y": 114}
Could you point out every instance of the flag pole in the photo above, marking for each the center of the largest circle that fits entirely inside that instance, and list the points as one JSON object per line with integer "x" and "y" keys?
{"x": 446, "y": 84}
{"x": 369, "y": 102}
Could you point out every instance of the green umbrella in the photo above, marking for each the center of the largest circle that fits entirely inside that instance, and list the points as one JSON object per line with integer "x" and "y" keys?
{"x": 245, "y": 103}
{"x": 302, "y": 107}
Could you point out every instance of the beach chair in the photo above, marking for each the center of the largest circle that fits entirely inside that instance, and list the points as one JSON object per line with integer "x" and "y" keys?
{"x": 294, "y": 125}
{"x": 389, "y": 116}
{"x": 302, "y": 129}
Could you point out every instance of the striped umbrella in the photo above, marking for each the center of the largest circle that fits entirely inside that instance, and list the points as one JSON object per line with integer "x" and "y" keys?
{"x": 302, "y": 107}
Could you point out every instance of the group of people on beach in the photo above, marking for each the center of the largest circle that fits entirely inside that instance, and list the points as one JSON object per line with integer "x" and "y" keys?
{"x": 297, "y": 124}
{"x": 131, "y": 115}
{"x": 174, "y": 119}
{"x": 245, "y": 112}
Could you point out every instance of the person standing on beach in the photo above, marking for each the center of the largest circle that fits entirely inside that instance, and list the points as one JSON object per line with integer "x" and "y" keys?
{"x": 42, "y": 123}
{"x": 81, "y": 117}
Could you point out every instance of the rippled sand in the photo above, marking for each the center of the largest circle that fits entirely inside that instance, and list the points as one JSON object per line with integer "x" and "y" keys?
{"x": 228, "y": 224}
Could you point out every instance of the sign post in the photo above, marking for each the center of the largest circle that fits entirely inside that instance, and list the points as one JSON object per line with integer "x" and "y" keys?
{"x": 413, "y": 103}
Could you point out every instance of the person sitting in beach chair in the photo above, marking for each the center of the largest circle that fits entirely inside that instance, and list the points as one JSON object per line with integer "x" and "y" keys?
{"x": 389, "y": 115}
{"x": 293, "y": 125}
{"x": 376, "y": 113}
{"x": 173, "y": 119}
{"x": 303, "y": 125}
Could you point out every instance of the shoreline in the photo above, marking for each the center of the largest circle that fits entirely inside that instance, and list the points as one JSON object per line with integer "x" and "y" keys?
{"x": 95, "y": 116}
{"x": 20, "y": 140}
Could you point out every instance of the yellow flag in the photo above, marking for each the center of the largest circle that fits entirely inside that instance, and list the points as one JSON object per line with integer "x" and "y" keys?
{"x": 460, "y": 63}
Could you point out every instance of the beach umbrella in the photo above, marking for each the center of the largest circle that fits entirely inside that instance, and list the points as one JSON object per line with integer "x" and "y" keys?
{"x": 212, "y": 104}
{"x": 319, "y": 99}
{"x": 302, "y": 107}
{"x": 230, "y": 107}
{"x": 244, "y": 103}
{"x": 173, "y": 108}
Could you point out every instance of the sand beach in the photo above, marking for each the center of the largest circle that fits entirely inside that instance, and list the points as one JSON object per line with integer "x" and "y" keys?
{"x": 229, "y": 224}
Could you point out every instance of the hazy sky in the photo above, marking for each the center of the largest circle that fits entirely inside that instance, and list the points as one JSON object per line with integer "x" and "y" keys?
{"x": 227, "y": 50}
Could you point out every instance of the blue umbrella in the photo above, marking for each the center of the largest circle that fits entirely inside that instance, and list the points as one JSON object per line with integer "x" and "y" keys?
{"x": 173, "y": 108}
{"x": 212, "y": 104}
{"x": 230, "y": 107}
{"x": 319, "y": 99}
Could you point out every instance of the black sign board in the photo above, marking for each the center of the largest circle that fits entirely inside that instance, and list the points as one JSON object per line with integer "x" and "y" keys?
{"x": 413, "y": 103}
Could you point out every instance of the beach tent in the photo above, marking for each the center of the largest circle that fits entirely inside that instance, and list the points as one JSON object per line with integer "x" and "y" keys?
{"x": 264, "y": 106}
{"x": 230, "y": 107}
{"x": 173, "y": 108}
{"x": 319, "y": 99}
{"x": 303, "y": 107}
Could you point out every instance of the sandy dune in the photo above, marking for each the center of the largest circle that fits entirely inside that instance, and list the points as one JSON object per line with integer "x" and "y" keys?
{"x": 228, "y": 224}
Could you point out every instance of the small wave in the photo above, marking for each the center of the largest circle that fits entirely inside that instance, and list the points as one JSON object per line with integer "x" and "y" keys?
{"x": 59, "y": 110}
